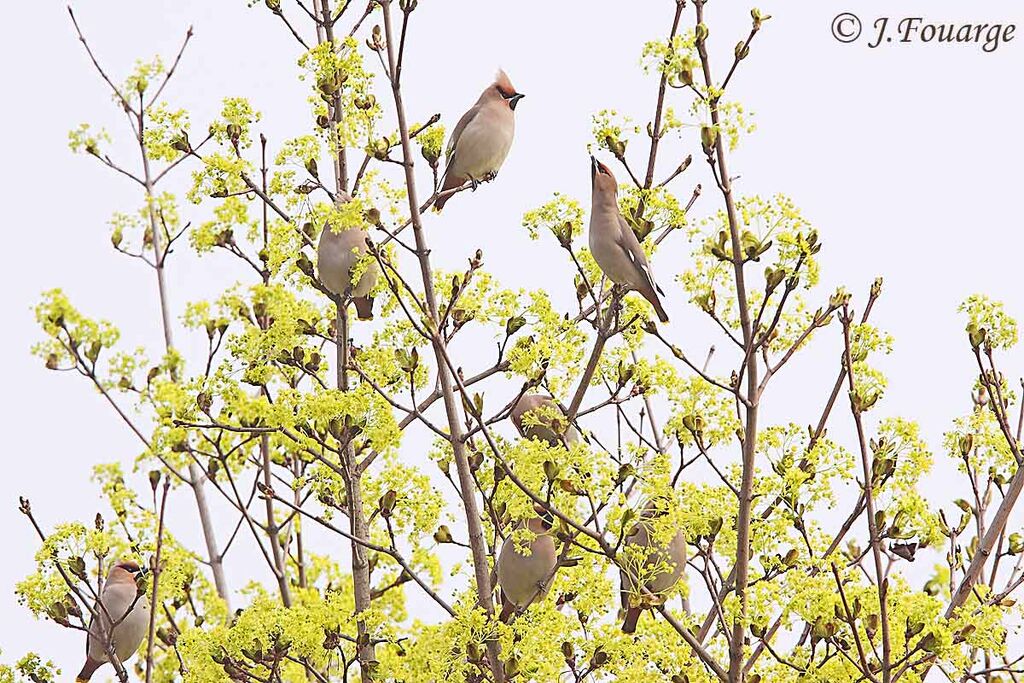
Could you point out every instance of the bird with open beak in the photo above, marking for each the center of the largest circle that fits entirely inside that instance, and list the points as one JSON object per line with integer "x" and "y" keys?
{"x": 526, "y": 578}
{"x": 123, "y": 611}
{"x": 482, "y": 137}
{"x": 613, "y": 243}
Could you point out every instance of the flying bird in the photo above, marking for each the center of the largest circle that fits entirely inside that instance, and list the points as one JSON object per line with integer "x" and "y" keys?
{"x": 546, "y": 421}
{"x": 614, "y": 244}
{"x": 482, "y": 137}
{"x": 337, "y": 254}
{"x": 667, "y": 563}
{"x": 525, "y": 579}
{"x": 124, "y": 617}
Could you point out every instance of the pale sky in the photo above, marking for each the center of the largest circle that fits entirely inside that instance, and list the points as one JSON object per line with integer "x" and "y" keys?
{"x": 905, "y": 157}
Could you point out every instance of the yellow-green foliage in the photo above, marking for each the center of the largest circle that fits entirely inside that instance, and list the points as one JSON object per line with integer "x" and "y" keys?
{"x": 32, "y": 668}
{"x": 251, "y": 402}
{"x": 985, "y": 314}
{"x": 83, "y": 139}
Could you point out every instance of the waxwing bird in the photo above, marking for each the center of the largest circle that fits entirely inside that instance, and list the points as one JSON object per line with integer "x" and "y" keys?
{"x": 482, "y": 137}
{"x": 666, "y": 562}
{"x": 124, "y": 618}
{"x": 614, "y": 244}
{"x": 337, "y": 254}
{"x": 546, "y": 421}
{"x": 525, "y": 579}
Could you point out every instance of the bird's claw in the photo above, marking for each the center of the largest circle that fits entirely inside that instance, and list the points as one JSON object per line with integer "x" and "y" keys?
{"x": 490, "y": 176}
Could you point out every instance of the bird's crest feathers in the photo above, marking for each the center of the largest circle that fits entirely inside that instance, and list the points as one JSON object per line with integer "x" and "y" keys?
{"x": 129, "y": 566}
{"x": 503, "y": 84}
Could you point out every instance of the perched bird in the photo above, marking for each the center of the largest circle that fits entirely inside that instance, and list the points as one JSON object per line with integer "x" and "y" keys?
{"x": 337, "y": 254}
{"x": 667, "y": 562}
{"x": 525, "y": 579}
{"x": 124, "y": 618}
{"x": 613, "y": 243}
{"x": 544, "y": 422}
{"x": 482, "y": 137}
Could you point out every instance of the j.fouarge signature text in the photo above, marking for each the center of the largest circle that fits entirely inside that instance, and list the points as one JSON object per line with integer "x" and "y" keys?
{"x": 916, "y": 30}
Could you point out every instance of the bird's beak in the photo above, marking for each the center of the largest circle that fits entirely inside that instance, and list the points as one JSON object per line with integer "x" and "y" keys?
{"x": 514, "y": 100}
{"x": 593, "y": 167}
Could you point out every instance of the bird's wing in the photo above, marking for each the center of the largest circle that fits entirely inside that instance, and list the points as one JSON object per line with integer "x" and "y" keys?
{"x": 631, "y": 245}
{"x": 453, "y": 141}
{"x": 88, "y": 635}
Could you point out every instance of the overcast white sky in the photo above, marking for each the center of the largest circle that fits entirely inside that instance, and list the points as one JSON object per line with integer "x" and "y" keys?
{"x": 906, "y": 158}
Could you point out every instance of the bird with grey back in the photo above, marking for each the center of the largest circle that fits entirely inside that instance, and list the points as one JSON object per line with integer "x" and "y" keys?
{"x": 123, "y": 612}
{"x": 337, "y": 254}
{"x": 613, "y": 243}
{"x": 539, "y": 417}
{"x": 660, "y": 565}
{"x": 482, "y": 137}
{"x": 525, "y": 578}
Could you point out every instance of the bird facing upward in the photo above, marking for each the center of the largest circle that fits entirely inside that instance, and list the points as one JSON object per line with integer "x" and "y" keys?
{"x": 124, "y": 616}
{"x": 614, "y": 244}
{"x": 482, "y": 137}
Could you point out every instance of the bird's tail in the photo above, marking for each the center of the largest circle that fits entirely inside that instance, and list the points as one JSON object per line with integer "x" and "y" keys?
{"x": 364, "y": 307}
{"x": 450, "y": 183}
{"x": 632, "y": 617}
{"x": 88, "y": 669}
{"x": 655, "y": 301}
{"x": 508, "y": 608}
